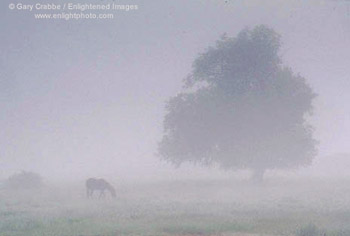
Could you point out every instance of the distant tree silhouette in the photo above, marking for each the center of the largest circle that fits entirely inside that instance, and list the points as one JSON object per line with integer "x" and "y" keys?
{"x": 241, "y": 108}
{"x": 24, "y": 180}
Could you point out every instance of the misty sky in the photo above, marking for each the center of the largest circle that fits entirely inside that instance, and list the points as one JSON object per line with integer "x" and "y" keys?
{"x": 86, "y": 97}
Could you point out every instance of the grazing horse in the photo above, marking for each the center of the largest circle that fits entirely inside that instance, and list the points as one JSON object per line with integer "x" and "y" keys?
{"x": 98, "y": 184}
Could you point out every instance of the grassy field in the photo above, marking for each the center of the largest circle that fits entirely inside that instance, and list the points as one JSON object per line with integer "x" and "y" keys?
{"x": 191, "y": 207}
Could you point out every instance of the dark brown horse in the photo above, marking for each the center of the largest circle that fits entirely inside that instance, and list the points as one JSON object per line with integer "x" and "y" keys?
{"x": 99, "y": 185}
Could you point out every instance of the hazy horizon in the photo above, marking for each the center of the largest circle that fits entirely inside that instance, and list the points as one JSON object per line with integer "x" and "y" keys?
{"x": 86, "y": 98}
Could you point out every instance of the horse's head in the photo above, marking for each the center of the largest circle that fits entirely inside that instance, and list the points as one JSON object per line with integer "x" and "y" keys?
{"x": 111, "y": 190}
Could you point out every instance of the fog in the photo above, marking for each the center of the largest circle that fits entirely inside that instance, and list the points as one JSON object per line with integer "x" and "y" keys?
{"x": 113, "y": 99}
{"x": 84, "y": 98}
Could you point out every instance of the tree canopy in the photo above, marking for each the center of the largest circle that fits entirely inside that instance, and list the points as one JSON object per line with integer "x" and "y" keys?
{"x": 241, "y": 108}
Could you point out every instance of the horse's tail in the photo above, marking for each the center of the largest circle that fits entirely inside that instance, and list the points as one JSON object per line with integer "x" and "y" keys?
{"x": 89, "y": 182}
{"x": 88, "y": 187}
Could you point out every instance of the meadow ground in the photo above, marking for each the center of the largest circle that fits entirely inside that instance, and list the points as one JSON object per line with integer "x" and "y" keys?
{"x": 180, "y": 208}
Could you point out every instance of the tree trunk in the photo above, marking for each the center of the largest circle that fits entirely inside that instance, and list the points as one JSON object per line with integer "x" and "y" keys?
{"x": 258, "y": 176}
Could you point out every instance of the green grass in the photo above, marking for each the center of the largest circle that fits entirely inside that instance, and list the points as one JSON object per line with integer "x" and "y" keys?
{"x": 179, "y": 208}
